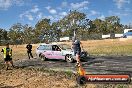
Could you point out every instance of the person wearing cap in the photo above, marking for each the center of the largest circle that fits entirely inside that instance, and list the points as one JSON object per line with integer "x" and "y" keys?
{"x": 7, "y": 51}
{"x": 76, "y": 46}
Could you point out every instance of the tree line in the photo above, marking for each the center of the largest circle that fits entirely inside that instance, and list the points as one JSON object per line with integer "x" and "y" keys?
{"x": 47, "y": 31}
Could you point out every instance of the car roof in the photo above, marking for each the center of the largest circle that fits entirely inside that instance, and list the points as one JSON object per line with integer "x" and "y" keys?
{"x": 49, "y": 44}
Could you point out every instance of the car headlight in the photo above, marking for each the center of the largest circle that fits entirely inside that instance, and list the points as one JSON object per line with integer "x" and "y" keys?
{"x": 83, "y": 54}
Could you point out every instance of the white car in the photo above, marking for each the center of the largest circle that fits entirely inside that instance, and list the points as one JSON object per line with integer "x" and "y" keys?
{"x": 57, "y": 51}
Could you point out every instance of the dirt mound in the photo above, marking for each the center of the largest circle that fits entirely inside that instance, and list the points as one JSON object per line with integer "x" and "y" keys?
{"x": 31, "y": 79}
{"x": 41, "y": 78}
{"x": 21, "y": 78}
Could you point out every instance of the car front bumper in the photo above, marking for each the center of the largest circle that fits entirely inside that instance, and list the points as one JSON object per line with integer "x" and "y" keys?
{"x": 83, "y": 54}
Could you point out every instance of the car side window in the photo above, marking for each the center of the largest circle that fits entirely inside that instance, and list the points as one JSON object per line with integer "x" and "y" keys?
{"x": 130, "y": 31}
{"x": 47, "y": 47}
{"x": 44, "y": 47}
{"x": 41, "y": 47}
{"x": 55, "y": 48}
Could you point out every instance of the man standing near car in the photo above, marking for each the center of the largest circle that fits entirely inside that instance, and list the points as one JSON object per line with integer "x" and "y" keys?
{"x": 76, "y": 46}
{"x": 29, "y": 50}
{"x": 7, "y": 51}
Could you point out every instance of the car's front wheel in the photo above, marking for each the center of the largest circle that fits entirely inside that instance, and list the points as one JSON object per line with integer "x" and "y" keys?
{"x": 69, "y": 58}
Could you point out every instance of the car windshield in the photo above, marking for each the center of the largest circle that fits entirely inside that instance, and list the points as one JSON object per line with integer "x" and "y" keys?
{"x": 64, "y": 46}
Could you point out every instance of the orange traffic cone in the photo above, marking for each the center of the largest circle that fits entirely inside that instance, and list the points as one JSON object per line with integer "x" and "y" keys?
{"x": 81, "y": 71}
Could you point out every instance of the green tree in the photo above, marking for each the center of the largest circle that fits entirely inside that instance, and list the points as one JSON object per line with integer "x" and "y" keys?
{"x": 55, "y": 31}
{"x": 113, "y": 24}
{"x": 16, "y": 32}
{"x": 71, "y": 22}
{"x": 42, "y": 29}
{"x": 29, "y": 34}
{"x": 3, "y": 34}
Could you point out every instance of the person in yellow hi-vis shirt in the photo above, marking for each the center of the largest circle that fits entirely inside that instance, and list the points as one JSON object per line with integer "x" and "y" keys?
{"x": 7, "y": 51}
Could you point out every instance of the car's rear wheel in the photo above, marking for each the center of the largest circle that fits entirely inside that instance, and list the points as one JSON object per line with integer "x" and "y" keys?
{"x": 39, "y": 55}
{"x": 43, "y": 58}
{"x": 69, "y": 58}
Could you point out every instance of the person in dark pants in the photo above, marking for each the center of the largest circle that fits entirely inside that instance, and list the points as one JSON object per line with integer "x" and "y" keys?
{"x": 29, "y": 50}
{"x": 7, "y": 51}
{"x": 76, "y": 46}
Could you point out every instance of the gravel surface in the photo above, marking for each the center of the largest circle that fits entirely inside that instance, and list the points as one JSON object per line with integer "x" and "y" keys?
{"x": 24, "y": 76}
{"x": 94, "y": 65}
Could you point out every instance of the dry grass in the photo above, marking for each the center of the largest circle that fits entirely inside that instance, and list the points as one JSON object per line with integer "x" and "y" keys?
{"x": 93, "y": 47}
{"x": 20, "y": 51}
{"x": 107, "y": 47}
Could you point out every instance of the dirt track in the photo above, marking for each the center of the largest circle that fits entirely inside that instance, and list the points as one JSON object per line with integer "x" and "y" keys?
{"x": 96, "y": 65}
{"x": 25, "y": 77}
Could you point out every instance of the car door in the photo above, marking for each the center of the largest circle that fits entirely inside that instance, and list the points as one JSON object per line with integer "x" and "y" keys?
{"x": 56, "y": 52}
{"x": 45, "y": 50}
{"x": 48, "y": 51}
{"x": 40, "y": 50}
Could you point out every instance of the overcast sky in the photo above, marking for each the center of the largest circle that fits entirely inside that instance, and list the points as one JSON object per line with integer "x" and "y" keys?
{"x": 30, "y": 11}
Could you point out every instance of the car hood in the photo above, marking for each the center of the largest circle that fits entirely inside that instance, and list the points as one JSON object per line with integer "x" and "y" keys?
{"x": 68, "y": 51}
